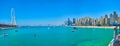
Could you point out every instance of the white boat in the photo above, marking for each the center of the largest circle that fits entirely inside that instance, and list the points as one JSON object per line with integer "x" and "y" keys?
{"x": 111, "y": 43}
{"x": 115, "y": 42}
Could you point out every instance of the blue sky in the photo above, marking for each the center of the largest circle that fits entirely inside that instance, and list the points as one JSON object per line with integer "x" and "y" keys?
{"x": 55, "y": 11}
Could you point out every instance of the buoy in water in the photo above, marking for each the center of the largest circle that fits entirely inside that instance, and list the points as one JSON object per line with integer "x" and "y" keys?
{"x": 75, "y": 28}
{"x": 16, "y": 30}
{"x": 34, "y": 35}
{"x": 73, "y": 31}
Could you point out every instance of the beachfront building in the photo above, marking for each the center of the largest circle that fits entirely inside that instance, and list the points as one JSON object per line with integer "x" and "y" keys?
{"x": 114, "y": 18}
{"x": 115, "y": 15}
{"x": 92, "y": 22}
{"x": 101, "y": 20}
{"x": 83, "y": 21}
{"x": 66, "y": 23}
{"x": 96, "y": 21}
{"x": 74, "y": 22}
{"x": 77, "y": 22}
{"x": 111, "y": 20}
{"x": 69, "y": 22}
{"x": 118, "y": 21}
{"x": 87, "y": 22}
{"x": 106, "y": 20}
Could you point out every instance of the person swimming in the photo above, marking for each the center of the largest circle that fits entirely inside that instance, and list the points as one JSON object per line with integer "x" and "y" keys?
{"x": 16, "y": 30}
{"x": 34, "y": 35}
{"x": 4, "y": 35}
{"x": 74, "y": 29}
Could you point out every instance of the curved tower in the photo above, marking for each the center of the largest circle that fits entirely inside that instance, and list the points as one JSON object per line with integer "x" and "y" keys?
{"x": 13, "y": 21}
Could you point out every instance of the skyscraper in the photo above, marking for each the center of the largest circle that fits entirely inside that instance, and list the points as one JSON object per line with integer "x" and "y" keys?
{"x": 83, "y": 21}
{"x": 106, "y": 19}
{"x": 77, "y": 22}
{"x": 87, "y": 21}
{"x": 115, "y": 15}
{"x": 74, "y": 22}
{"x": 96, "y": 21}
{"x": 101, "y": 20}
{"x": 91, "y": 21}
{"x": 69, "y": 22}
{"x": 80, "y": 22}
{"x": 111, "y": 20}
{"x": 118, "y": 20}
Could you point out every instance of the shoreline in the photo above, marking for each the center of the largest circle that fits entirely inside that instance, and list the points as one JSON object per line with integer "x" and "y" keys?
{"x": 5, "y": 28}
{"x": 112, "y": 27}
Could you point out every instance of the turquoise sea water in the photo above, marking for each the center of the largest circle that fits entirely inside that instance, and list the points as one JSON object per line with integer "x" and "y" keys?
{"x": 56, "y": 36}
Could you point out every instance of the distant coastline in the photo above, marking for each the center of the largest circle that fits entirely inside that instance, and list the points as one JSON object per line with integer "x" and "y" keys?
{"x": 112, "y": 27}
{"x": 5, "y": 28}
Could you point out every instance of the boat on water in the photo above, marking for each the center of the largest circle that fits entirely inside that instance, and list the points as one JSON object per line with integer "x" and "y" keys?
{"x": 116, "y": 40}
